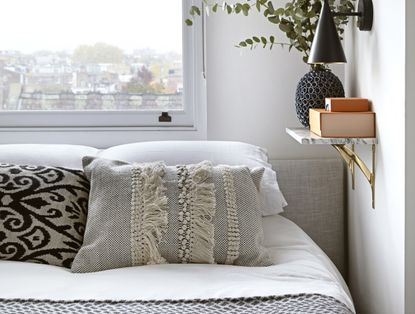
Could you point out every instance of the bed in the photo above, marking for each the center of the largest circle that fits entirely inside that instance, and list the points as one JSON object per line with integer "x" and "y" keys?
{"x": 303, "y": 279}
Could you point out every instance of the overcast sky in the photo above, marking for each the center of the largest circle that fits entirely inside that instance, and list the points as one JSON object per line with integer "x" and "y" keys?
{"x": 29, "y": 25}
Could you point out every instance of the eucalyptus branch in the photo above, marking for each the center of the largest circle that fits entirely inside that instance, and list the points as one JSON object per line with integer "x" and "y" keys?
{"x": 254, "y": 41}
{"x": 297, "y": 19}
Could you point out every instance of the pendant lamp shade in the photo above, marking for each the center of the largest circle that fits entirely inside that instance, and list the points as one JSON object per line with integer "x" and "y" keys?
{"x": 326, "y": 46}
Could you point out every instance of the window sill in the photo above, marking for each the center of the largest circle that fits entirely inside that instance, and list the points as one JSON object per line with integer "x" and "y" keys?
{"x": 99, "y": 137}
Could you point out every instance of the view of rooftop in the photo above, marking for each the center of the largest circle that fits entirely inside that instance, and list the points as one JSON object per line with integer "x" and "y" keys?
{"x": 58, "y": 63}
{"x": 99, "y": 77}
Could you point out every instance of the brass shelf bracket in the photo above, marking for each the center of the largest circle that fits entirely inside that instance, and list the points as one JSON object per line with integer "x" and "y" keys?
{"x": 305, "y": 136}
{"x": 351, "y": 158}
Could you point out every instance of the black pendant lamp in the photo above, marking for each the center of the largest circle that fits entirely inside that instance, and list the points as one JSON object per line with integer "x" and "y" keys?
{"x": 326, "y": 47}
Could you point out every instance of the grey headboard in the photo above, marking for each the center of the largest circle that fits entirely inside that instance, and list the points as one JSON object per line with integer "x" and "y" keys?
{"x": 314, "y": 190}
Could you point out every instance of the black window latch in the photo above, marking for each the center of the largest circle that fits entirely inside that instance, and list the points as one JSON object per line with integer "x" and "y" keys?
{"x": 164, "y": 117}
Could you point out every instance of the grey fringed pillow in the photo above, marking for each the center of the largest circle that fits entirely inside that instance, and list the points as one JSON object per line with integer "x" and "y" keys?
{"x": 142, "y": 214}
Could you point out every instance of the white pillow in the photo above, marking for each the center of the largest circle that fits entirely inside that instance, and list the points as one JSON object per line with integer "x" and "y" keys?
{"x": 58, "y": 155}
{"x": 218, "y": 152}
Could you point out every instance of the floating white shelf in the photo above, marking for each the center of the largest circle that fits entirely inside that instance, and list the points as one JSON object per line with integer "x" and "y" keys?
{"x": 305, "y": 136}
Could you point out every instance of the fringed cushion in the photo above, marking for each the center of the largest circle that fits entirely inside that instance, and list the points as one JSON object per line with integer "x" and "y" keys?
{"x": 141, "y": 214}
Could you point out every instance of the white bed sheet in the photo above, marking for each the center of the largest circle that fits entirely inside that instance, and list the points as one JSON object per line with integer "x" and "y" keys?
{"x": 300, "y": 267}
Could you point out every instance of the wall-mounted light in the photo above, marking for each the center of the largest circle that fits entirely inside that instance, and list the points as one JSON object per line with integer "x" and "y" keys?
{"x": 326, "y": 47}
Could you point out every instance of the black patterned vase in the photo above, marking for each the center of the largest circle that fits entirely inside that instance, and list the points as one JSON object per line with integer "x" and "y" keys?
{"x": 312, "y": 90}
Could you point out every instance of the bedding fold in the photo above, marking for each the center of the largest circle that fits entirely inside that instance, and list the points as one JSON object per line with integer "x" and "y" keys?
{"x": 287, "y": 304}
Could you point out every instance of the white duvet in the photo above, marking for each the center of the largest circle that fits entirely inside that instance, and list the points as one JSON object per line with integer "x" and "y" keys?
{"x": 300, "y": 267}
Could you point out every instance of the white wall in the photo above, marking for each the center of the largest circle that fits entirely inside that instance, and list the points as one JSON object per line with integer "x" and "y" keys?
{"x": 410, "y": 153}
{"x": 251, "y": 93}
{"x": 376, "y": 70}
{"x": 251, "y": 98}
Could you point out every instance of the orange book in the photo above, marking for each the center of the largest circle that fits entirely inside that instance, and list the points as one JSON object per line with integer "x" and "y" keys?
{"x": 347, "y": 104}
{"x": 342, "y": 124}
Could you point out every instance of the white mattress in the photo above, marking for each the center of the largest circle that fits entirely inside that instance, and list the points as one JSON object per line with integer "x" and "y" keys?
{"x": 300, "y": 267}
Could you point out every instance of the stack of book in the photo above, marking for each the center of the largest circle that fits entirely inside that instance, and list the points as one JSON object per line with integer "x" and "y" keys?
{"x": 344, "y": 117}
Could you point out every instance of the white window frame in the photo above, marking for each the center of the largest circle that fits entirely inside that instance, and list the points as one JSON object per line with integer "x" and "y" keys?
{"x": 107, "y": 128}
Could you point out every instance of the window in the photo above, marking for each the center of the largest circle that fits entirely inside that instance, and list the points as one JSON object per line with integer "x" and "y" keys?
{"x": 99, "y": 64}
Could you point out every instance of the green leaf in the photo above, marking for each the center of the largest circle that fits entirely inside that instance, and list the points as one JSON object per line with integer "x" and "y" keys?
{"x": 258, "y": 5}
{"x": 188, "y": 22}
{"x": 215, "y": 8}
{"x": 270, "y": 6}
{"x": 256, "y": 39}
{"x": 274, "y": 19}
{"x": 245, "y": 9}
{"x": 284, "y": 27}
{"x": 242, "y": 44}
{"x": 291, "y": 34}
{"x": 279, "y": 11}
{"x": 194, "y": 10}
{"x": 299, "y": 12}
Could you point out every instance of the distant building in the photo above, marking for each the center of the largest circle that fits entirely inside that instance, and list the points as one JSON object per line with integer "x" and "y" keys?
{"x": 174, "y": 79}
{"x": 68, "y": 100}
{"x": 51, "y": 81}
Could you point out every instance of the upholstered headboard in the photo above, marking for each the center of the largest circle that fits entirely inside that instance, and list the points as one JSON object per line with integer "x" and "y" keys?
{"x": 314, "y": 190}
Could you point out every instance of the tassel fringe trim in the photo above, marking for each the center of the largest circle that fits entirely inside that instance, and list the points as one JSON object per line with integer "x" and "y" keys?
{"x": 149, "y": 216}
{"x": 198, "y": 206}
{"x": 232, "y": 217}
